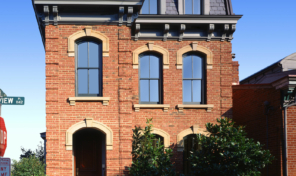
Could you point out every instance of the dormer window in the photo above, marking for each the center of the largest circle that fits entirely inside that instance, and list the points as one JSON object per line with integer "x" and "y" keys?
{"x": 150, "y": 7}
{"x": 192, "y": 7}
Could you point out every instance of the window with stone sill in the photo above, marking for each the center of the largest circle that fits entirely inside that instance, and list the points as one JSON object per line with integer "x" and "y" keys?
{"x": 193, "y": 79}
{"x": 150, "y": 78}
{"x": 88, "y": 68}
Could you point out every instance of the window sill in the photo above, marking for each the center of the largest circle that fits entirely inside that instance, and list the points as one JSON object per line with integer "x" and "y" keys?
{"x": 208, "y": 107}
{"x": 165, "y": 107}
{"x": 105, "y": 100}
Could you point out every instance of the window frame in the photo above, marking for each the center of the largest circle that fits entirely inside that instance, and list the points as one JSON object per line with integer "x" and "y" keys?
{"x": 100, "y": 68}
{"x": 203, "y": 79}
{"x": 160, "y": 85}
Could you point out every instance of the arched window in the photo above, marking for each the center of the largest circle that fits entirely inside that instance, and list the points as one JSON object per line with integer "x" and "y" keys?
{"x": 193, "y": 79}
{"x": 150, "y": 7}
{"x": 150, "y": 75}
{"x": 190, "y": 144}
{"x": 88, "y": 68}
{"x": 158, "y": 139}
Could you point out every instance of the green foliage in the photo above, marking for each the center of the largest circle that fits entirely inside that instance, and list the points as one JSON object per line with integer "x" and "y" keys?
{"x": 227, "y": 151}
{"x": 150, "y": 160}
{"x": 31, "y": 163}
{"x": 30, "y": 166}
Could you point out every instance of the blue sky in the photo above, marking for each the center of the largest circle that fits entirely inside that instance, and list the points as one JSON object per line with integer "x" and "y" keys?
{"x": 265, "y": 34}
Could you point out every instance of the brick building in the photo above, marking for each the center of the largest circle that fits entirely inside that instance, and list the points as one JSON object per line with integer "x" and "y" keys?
{"x": 265, "y": 103}
{"x": 112, "y": 64}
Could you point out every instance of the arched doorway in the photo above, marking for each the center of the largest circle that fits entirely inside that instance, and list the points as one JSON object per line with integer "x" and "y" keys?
{"x": 89, "y": 152}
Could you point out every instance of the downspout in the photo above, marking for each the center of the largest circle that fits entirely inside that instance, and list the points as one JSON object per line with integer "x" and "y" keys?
{"x": 285, "y": 139}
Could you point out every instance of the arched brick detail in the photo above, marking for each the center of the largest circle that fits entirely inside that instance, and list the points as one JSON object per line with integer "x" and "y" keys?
{"x": 88, "y": 32}
{"x": 151, "y": 47}
{"x": 198, "y": 48}
{"x": 194, "y": 130}
{"x": 165, "y": 135}
{"x": 89, "y": 123}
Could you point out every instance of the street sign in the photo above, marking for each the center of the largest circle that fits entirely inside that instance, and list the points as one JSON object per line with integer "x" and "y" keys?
{"x": 2, "y": 94}
{"x": 3, "y": 137}
{"x": 5, "y": 166}
{"x": 12, "y": 101}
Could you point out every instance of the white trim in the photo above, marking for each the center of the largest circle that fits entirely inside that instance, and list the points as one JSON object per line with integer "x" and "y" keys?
{"x": 162, "y": 7}
{"x": 206, "y": 7}
{"x": 105, "y": 100}
{"x": 165, "y": 107}
{"x": 180, "y": 7}
{"x": 208, "y": 107}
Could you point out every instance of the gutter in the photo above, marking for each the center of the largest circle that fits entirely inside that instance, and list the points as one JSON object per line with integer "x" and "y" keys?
{"x": 285, "y": 170}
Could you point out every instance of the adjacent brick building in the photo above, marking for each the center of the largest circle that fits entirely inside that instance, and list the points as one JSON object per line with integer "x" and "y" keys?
{"x": 110, "y": 65}
{"x": 259, "y": 103}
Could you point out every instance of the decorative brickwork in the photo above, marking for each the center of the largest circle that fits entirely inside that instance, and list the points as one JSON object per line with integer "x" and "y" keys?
{"x": 120, "y": 83}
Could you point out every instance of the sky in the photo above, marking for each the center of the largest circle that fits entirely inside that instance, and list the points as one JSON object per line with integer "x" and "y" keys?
{"x": 264, "y": 35}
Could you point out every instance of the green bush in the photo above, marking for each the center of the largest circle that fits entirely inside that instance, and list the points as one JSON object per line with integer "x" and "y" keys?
{"x": 149, "y": 159}
{"x": 227, "y": 151}
{"x": 30, "y": 166}
{"x": 31, "y": 163}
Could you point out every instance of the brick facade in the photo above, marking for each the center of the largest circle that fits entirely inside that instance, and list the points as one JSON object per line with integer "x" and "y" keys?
{"x": 120, "y": 83}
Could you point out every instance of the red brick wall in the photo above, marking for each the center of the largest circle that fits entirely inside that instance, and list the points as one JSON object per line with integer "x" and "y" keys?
{"x": 248, "y": 110}
{"x": 291, "y": 138}
{"x": 235, "y": 73}
{"x": 120, "y": 83}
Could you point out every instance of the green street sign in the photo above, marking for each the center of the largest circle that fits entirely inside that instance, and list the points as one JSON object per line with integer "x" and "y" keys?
{"x": 12, "y": 101}
{"x": 2, "y": 94}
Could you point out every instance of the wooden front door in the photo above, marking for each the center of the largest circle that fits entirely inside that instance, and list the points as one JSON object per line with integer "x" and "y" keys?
{"x": 88, "y": 152}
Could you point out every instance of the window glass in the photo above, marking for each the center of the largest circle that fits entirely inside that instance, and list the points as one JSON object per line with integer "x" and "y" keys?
{"x": 82, "y": 55}
{"x": 154, "y": 67}
{"x": 196, "y": 85}
{"x": 192, "y": 78}
{"x": 145, "y": 7}
{"x": 150, "y": 78}
{"x": 94, "y": 81}
{"x": 153, "y": 6}
{"x": 187, "y": 90}
{"x": 196, "y": 7}
{"x": 188, "y": 6}
{"x": 144, "y": 90}
{"x": 197, "y": 65}
{"x": 94, "y": 52}
{"x": 150, "y": 7}
{"x": 187, "y": 67}
{"x": 82, "y": 81}
{"x": 144, "y": 66}
{"x": 154, "y": 90}
{"x": 158, "y": 140}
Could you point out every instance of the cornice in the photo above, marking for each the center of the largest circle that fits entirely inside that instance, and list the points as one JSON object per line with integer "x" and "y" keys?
{"x": 88, "y": 2}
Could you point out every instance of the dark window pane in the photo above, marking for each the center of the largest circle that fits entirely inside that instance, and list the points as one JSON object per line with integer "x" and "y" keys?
{"x": 154, "y": 91}
{"x": 196, "y": 7}
{"x": 82, "y": 81}
{"x": 154, "y": 67}
{"x": 196, "y": 91}
{"x": 186, "y": 90}
{"x": 144, "y": 67}
{"x": 188, "y": 6}
{"x": 187, "y": 67}
{"x": 197, "y": 67}
{"x": 82, "y": 55}
{"x": 94, "y": 53}
{"x": 144, "y": 90}
{"x": 153, "y": 6}
{"x": 94, "y": 81}
{"x": 145, "y": 7}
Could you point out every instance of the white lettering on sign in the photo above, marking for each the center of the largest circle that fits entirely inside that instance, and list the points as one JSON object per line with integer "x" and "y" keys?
{"x": 10, "y": 100}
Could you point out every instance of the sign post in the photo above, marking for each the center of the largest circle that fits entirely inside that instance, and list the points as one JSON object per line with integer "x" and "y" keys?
{"x": 5, "y": 166}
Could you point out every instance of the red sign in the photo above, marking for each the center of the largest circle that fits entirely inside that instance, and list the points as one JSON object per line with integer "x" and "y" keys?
{"x": 4, "y": 166}
{"x": 3, "y": 137}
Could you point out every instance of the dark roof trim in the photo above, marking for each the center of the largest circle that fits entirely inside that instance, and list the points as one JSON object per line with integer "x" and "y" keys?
{"x": 39, "y": 26}
{"x": 274, "y": 65}
{"x": 229, "y": 7}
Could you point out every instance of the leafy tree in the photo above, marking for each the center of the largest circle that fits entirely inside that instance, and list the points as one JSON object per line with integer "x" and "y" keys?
{"x": 227, "y": 151}
{"x": 31, "y": 163}
{"x": 149, "y": 159}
